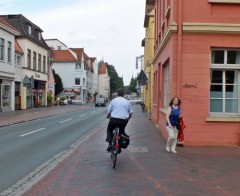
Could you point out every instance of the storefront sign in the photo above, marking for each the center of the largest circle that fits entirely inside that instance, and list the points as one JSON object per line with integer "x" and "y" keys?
{"x": 51, "y": 86}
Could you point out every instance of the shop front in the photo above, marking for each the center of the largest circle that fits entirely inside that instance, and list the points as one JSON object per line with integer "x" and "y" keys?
{"x": 34, "y": 92}
{"x": 17, "y": 95}
{"x": 39, "y": 93}
{"x": 6, "y": 97}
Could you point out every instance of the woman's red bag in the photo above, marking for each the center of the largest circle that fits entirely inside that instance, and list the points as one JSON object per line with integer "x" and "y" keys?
{"x": 180, "y": 137}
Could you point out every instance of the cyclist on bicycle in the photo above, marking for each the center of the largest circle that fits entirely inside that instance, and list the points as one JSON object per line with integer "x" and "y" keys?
{"x": 119, "y": 112}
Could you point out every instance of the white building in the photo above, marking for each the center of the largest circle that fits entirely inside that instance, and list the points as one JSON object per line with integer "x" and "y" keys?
{"x": 79, "y": 73}
{"x": 103, "y": 80}
{"x": 72, "y": 72}
{"x": 92, "y": 77}
{"x": 95, "y": 77}
{"x": 18, "y": 75}
{"x": 7, "y": 69}
{"x": 34, "y": 84}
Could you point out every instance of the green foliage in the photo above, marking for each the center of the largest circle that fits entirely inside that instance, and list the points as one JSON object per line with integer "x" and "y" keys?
{"x": 49, "y": 98}
{"x": 63, "y": 98}
{"x": 132, "y": 86}
{"x": 116, "y": 82}
{"x": 58, "y": 83}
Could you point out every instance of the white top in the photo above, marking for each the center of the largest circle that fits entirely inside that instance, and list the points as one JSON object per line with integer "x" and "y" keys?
{"x": 120, "y": 108}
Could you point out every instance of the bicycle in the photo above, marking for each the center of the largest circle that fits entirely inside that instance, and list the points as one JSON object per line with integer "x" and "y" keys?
{"x": 143, "y": 107}
{"x": 115, "y": 146}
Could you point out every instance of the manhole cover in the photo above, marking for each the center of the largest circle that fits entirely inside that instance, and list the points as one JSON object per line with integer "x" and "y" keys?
{"x": 138, "y": 149}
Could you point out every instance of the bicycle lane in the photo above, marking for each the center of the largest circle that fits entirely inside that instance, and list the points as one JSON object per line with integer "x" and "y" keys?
{"x": 145, "y": 168}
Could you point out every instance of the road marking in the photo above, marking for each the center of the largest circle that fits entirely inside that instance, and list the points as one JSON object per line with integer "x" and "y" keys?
{"x": 65, "y": 120}
{"x": 32, "y": 132}
{"x": 22, "y": 185}
{"x": 83, "y": 115}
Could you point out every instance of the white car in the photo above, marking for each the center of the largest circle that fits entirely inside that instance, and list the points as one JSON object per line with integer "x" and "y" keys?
{"x": 77, "y": 102}
{"x": 136, "y": 100}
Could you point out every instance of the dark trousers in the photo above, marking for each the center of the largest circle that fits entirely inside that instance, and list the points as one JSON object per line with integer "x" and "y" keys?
{"x": 113, "y": 123}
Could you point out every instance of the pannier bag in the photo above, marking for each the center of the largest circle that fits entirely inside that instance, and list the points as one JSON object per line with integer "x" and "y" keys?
{"x": 124, "y": 140}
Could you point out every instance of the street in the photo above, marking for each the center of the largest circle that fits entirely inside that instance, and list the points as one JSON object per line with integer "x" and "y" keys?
{"x": 27, "y": 145}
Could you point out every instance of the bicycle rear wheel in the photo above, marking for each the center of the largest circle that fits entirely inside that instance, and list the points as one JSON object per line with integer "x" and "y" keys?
{"x": 114, "y": 154}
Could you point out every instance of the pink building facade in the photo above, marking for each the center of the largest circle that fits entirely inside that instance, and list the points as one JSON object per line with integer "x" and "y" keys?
{"x": 197, "y": 58}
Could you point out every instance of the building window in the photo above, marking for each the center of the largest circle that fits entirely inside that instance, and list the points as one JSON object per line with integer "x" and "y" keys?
{"x": 39, "y": 62}
{"x": 225, "y": 81}
{"x": 77, "y": 66}
{"x": 29, "y": 59}
{"x": 1, "y": 49}
{"x": 18, "y": 61}
{"x": 34, "y": 60}
{"x": 154, "y": 91}
{"x": 83, "y": 81}
{"x": 29, "y": 29}
{"x": 6, "y": 94}
{"x": 166, "y": 86}
{"x": 59, "y": 47}
{"x": 77, "y": 81}
{"x": 9, "y": 52}
{"x": 44, "y": 64}
{"x": 39, "y": 36}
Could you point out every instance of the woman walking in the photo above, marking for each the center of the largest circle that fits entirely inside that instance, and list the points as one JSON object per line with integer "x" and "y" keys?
{"x": 172, "y": 117}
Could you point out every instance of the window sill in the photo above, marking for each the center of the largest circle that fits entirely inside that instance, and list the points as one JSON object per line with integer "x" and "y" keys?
{"x": 222, "y": 119}
{"x": 224, "y": 1}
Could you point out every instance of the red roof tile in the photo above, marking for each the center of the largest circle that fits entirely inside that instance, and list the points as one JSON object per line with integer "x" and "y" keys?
{"x": 7, "y": 24}
{"x": 18, "y": 48}
{"x": 63, "y": 56}
{"x": 92, "y": 59}
{"x": 103, "y": 69}
{"x": 79, "y": 52}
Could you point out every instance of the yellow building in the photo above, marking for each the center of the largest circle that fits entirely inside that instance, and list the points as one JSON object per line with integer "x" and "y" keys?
{"x": 148, "y": 44}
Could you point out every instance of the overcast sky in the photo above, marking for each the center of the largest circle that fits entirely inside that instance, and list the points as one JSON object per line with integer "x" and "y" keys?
{"x": 111, "y": 30}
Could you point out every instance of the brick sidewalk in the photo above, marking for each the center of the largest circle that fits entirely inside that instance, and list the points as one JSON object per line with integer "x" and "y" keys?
{"x": 145, "y": 168}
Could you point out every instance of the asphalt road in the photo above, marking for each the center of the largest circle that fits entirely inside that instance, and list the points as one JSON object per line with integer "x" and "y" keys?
{"x": 27, "y": 145}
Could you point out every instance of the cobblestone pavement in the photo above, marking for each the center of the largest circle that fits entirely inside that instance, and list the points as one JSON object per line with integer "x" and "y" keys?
{"x": 145, "y": 168}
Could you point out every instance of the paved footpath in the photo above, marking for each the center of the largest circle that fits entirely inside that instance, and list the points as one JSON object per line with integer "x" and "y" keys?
{"x": 145, "y": 168}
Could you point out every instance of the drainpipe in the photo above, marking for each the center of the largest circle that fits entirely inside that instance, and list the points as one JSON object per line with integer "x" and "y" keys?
{"x": 179, "y": 53}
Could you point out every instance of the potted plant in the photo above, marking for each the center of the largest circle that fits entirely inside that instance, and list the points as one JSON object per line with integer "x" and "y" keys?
{"x": 49, "y": 100}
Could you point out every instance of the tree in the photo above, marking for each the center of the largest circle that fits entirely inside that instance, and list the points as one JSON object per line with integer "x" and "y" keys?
{"x": 116, "y": 82}
{"x": 132, "y": 86}
{"x": 58, "y": 83}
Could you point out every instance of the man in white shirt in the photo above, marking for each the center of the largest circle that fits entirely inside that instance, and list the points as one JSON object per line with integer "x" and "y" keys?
{"x": 119, "y": 112}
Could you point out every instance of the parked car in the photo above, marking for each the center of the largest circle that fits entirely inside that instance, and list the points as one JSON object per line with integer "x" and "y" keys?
{"x": 136, "y": 100}
{"x": 77, "y": 102}
{"x": 100, "y": 102}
